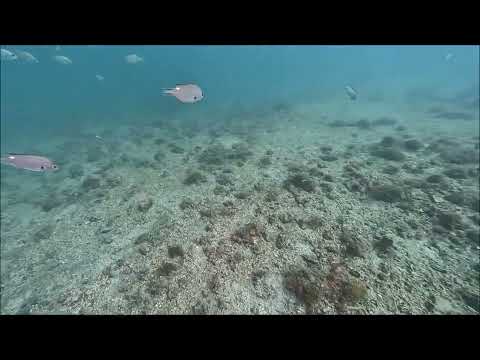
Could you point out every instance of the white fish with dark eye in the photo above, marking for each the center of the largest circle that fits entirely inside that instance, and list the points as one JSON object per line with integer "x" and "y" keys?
{"x": 352, "y": 94}
{"x": 29, "y": 162}
{"x": 26, "y": 56}
{"x": 188, "y": 93}
{"x": 62, "y": 60}
{"x": 133, "y": 59}
{"x": 7, "y": 55}
{"x": 99, "y": 77}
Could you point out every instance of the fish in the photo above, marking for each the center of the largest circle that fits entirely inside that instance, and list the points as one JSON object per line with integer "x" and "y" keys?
{"x": 7, "y": 55}
{"x": 26, "y": 56}
{"x": 62, "y": 59}
{"x": 29, "y": 162}
{"x": 188, "y": 93}
{"x": 448, "y": 57}
{"x": 352, "y": 94}
{"x": 99, "y": 77}
{"x": 133, "y": 59}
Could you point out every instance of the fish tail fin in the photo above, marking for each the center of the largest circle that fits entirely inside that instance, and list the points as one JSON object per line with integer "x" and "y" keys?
{"x": 167, "y": 91}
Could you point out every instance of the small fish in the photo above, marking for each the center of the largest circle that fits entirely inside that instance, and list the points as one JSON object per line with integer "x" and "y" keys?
{"x": 133, "y": 59}
{"x": 26, "y": 56}
{"x": 188, "y": 93}
{"x": 99, "y": 77}
{"x": 352, "y": 94}
{"x": 62, "y": 59}
{"x": 7, "y": 55}
{"x": 29, "y": 162}
{"x": 99, "y": 137}
{"x": 448, "y": 57}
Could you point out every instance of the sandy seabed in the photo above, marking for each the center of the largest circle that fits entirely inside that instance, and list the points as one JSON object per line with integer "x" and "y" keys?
{"x": 302, "y": 209}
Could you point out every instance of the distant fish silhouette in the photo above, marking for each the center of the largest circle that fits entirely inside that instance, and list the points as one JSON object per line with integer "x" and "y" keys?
{"x": 7, "y": 55}
{"x": 133, "y": 59}
{"x": 352, "y": 94}
{"x": 62, "y": 60}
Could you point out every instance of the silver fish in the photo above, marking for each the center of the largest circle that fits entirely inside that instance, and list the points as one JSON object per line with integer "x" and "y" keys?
{"x": 62, "y": 59}
{"x": 133, "y": 59}
{"x": 29, "y": 162}
{"x": 7, "y": 55}
{"x": 188, "y": 93}
{"x": 352, "y": 94}
{"x": 26, "y": 56}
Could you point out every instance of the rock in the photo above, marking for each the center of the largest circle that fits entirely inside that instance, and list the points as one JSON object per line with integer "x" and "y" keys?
{"x": 194, "y": 178}
{"x": 265, "y": 162}
{"x": 75, "y": 171}
{"x": 166, "y": 269}
{"x": 458, "y": 155}
{"x": 471, "y": 299}
{"x": 90, "y": 183}
{"x": 456, "y": 173}
{"x": 354, "y": 245}
{"x": 392, "y": 154}
{"x": 249, "y": 234}
{"x": 175, "y": 149}
{"x": 143, "y": 202}
{"x": 242, "y": 195}
{"x": 363, "y": 124}
{"x": 159, "y": 156}
{"x": 412, "y": 145}
{"x": 388, "y": 141}
{"x": 390, "y": 170}
{"x": 384, "y": 245}
{"x": 450, "y": 220}
{"x": 384, "y": 121}
{"x": 43, "y": 233}
{"x": 387, "y": 193}
{"x": 435, "y": 179}
{"x": 329, "y": 157}
{"x": 281, "y": 241}
{"x": 175, "y": 251}
{"x": 354, "y": 291}
{"x": 224, "y": 180}
{"x": 300, "y": 181}
{"x": 474, "y": 236}
{"x": 186, "y": 204}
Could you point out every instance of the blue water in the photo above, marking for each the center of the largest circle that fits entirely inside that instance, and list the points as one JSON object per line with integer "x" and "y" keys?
{"x": 49, "y": 103}
{"x": 49, "y": 95}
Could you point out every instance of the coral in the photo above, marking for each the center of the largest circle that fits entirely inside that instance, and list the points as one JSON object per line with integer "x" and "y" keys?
{"x": 300, "y": 181}
{"x": 249, "y": 234}
{"x": 194, "y": 178}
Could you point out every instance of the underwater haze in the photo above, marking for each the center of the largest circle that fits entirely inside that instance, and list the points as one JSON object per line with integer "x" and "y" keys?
{"x": 307, "y": 180}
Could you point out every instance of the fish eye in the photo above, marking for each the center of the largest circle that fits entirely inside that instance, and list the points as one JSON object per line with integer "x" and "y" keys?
{"x": 194, "y": 98}
{"x": 54, "y": 166}
{"x": 42, "y": 167}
